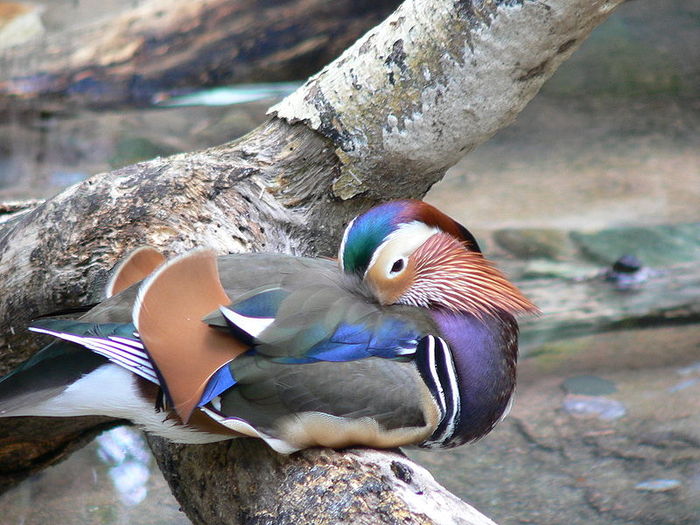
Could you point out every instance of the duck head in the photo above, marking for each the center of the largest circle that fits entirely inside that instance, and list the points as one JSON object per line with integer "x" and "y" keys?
{"x": 408, "y": 252}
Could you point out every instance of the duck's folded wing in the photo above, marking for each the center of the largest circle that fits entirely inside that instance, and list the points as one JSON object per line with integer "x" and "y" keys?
{"x": 374, "y": 401}
{"x": 167, "y": 315}
{"x": 306, "y": 320}
{"x": 115, "y": 341}
{"x": 312, "y": 321}
{"x": 313, "y": 339}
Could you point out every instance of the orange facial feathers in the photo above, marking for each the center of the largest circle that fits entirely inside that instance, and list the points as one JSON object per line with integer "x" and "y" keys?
{"x": 461, "y": 280}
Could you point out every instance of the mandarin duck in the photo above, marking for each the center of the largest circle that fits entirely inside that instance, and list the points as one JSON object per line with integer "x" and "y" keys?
{"x": 409, "y": 339}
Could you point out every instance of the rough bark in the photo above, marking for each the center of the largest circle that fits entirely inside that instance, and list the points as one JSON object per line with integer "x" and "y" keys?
{"x": 435, "y": 79}
{"x": 165, "y": 45}
{"x": 432, "y": 82}
{"x": 319, "y": 486}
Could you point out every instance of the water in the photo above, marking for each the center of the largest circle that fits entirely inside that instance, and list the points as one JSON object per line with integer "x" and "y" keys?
{"x": 114, "y": 480}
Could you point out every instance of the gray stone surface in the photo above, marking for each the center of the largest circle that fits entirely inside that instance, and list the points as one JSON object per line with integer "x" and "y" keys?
{"x": 534, "y": 243}
{"x": 662, "y": 245}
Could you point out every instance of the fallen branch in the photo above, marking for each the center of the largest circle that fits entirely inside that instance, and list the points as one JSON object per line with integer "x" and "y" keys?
{"x": 165, "y": 45}
{"x": 385, "y": 120}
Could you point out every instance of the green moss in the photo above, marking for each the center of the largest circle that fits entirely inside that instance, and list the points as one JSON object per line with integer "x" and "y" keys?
{"x": 654, "y": 245}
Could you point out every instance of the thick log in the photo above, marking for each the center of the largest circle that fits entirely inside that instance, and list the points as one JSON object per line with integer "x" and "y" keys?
{"x": 319, "y": 486}
{"x": 333, "y": 150}
{"x": 12, "y": 210}
{"x": 166, "y": 45}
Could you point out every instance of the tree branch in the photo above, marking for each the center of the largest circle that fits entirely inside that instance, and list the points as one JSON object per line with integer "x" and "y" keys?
{"x": 432, "y": 82}
{"x": 165, "y": 45}
{"x": 437, "y": 78}
{"x": 320, "y": 486}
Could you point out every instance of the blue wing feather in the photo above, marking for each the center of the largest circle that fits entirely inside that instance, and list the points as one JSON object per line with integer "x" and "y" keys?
{"x": 263, "y": 304}
{"x": 307, "y": 327}
{"x": 392, "y": 338}
{"x": 219, "y": 382}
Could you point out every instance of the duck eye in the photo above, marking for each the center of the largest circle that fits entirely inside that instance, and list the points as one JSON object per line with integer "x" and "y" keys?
{"x": 397, "y": 266}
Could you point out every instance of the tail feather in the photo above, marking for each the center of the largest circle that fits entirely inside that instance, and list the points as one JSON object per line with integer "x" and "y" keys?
{"x": 115, "y": 341}
{"x": 44, "y": 376}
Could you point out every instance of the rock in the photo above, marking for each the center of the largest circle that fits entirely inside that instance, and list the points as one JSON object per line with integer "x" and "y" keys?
{"x": 589, "y": 385}
{"x": 628, "y": 273}
{"x": 534, "y": 243}
{"x": 653, "y": 245}
{"x": 542, "y": 268}
{"x": 601, "y": 407}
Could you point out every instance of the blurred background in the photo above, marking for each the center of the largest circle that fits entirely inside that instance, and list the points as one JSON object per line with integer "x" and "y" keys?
{"x": 603, "y": 164}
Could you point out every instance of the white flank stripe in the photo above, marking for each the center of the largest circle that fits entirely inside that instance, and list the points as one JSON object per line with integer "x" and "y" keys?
{"x": 111, "y": 351}
{"x": 253, "y": 326}
{"x": 130, "y": 342}
{"x": 449, "y": 414}
{"x": 453, "y": 389}
{"x": 242, "y": 426}
{"x": 434, "y": 374}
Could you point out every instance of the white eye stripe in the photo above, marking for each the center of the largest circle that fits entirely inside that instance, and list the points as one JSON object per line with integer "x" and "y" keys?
{"x": 402, "y": 242}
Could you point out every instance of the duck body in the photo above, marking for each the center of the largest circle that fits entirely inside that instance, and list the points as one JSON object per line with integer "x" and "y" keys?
{"x": 296, "y": 351}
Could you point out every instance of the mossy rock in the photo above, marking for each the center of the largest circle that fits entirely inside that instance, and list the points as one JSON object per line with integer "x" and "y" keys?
{"x": 664, "y": 245}
{"x": 535, "y": 243}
